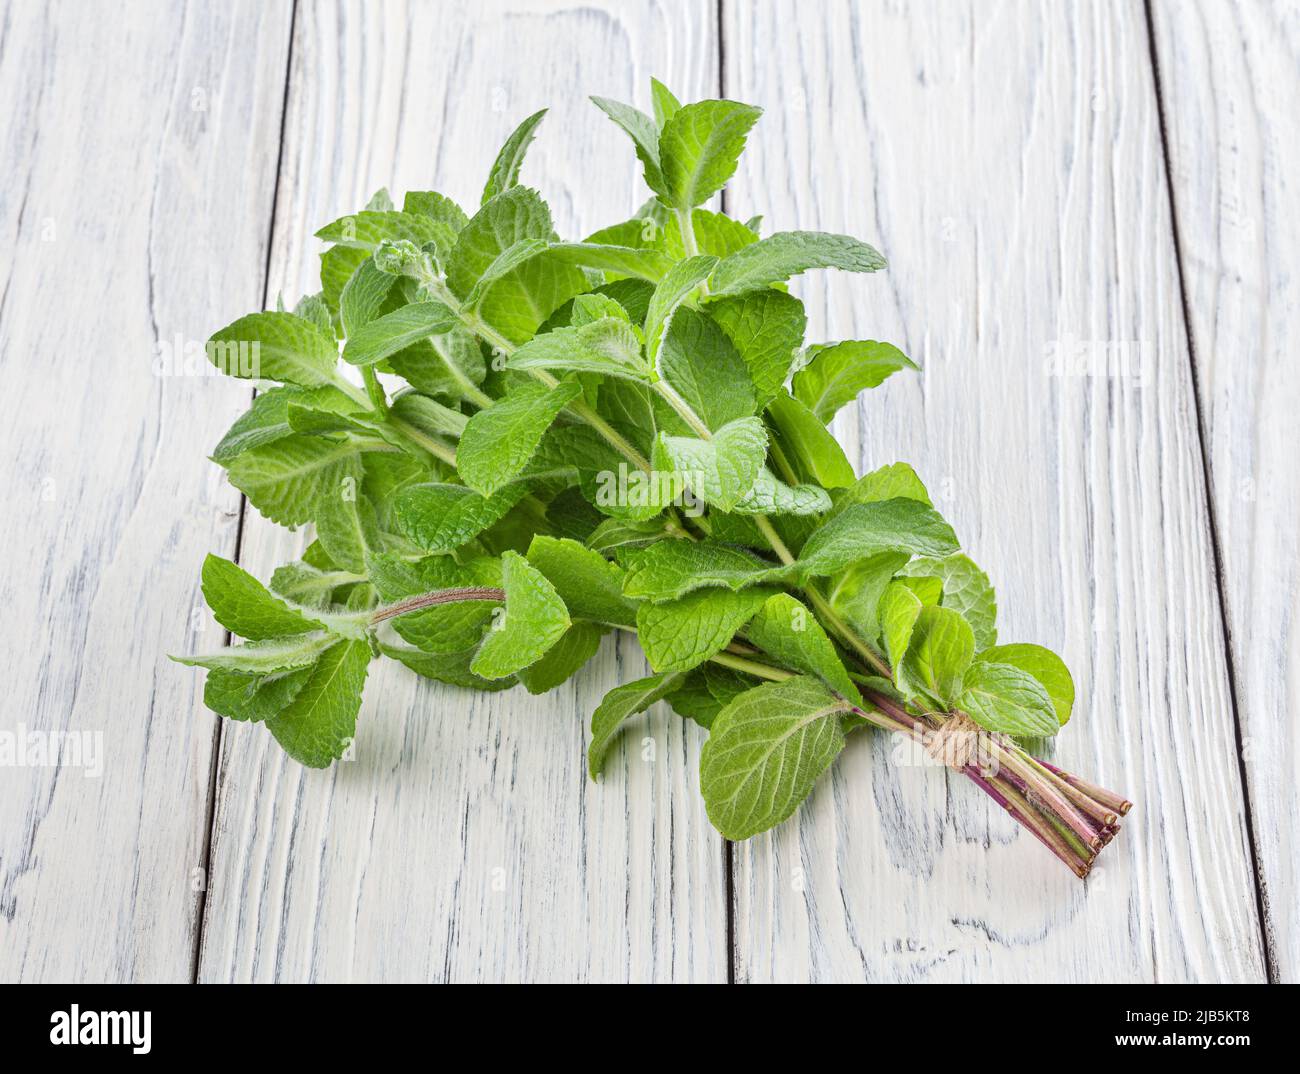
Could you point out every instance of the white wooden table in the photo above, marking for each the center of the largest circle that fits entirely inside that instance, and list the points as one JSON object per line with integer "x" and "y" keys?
{"x": 1100, "y": 175}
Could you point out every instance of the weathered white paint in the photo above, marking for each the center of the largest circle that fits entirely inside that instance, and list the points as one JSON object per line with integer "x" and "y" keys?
{"x": 138, "y": 155}
{"x": 464, "y": 841}
{"x": 1229, "y": 76}
{"x": 1008, "y": 160}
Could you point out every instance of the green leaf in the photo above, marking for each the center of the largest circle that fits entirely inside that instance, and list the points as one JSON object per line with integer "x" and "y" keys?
{"x": 284, "y": 479}
{"x": 252, "y": 698}
{"x": 450, "y": 668}
{"x": 675, "y": 287}
{"x": 517, "y": 301}
{"x": 265, "y": 657}
{"x": 499, "y": 440}
{"x": 939, "y": 652}
{"x": 645, "y": 137}
{"x": 367, "y": 229}
{"x": 346, "y": 527}
{"x": 645, "y": 264}
{"x": 896, "y": 481}
{"x": 699, "y": 148}
{"x": 301, "y": 583}
{"x": 267, "y": 420}
{"x": 438, "y": 208}
{"x": 665, "y": 104}
{"x": 789, "y": 253}
{"x": 766, "y": 328}
{"x": 864, "y": 529}
{"x": 443, "y": 629}
{"x": 394, "y": 332}
{"x": 770, "y": 496}
{"x": 608, "y": 345}
{"x": 720, "y": 471}
{"x": 715, "y": 233}
{"x": 534, "y": 620}
{"x": 899, "y": 609}
{"x": 428, "y": 415}
{"x": 838, "y": 372}
{"x": 668, "y": 570}
{"x": 789, "y": 634}
{"x": 702, "y": 366}
{"x": 448, "y": 363}
{"x": 576, "y": 646}
{"x": 244, "y": 606}
{"x": 620, "y": 703}
{"x": 681, "y": 634}
{"x": 814, "y": 453}
{"x": 855, "y": 592}
{"x": 707, "y": 691}
{"x": 1007, "y": 699}
{"x": 1045, "y": 666}
{"x": 274, "y": 346}
{"x": 590, "y": 586}
{"x": 966, "y": 589}
{"x": 765, "y": 751}
{"x": 318, "y": 725}
{"x": 364, "y": 296}
{"x": 505, "y": 170}
{"x": 315, "y": 309}
{"x": 505, "y": 263}
{"x": 440, "y": 518}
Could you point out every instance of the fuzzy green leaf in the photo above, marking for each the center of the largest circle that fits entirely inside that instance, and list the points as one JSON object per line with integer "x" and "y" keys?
{"x": 966, "y": 589}
{"x": 789, "y": 634}
{"x": 590, "y": 586}
{"x": 440, "y": 518}
{"x": 668, "y": 570}
{"x": 505, "y": 170}
{"x": 274, "y": 346}
{"x": 608, "y": 345}
{"x": 1007, "y": 699}
{"x": 265, "y": 657}
{"x": 681, "y": 634}
{"x": 499, "y": 440}
{"x": 318, "y": 725}
{"x": 940, "y": 651}
{"x": 284, "y": 479}
{"x": 699, "y": 148}
{"x": 534, "y": 620}
{"x": 864, "y": 529}
{"x": 1045, "y": 666}
{"x": 720, "y": 471}
{"x": 394, "y": 332}
{"x": 765, "y": 751}
{"x": 839, "y": 371}
{"x": 789, "y": 253}
{"x": 766, "y": 327}
{"x": 675, "y": 287}
{"x": 808, "y": 445}
{"x": 576, "y": 646}
{"x": 620, "y": 703}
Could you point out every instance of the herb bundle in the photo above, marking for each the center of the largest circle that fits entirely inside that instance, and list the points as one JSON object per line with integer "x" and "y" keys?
{"x": 623, "y": 433}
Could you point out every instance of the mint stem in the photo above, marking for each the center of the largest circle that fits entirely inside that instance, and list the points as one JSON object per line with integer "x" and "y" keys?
{"x": 438, "y": 596}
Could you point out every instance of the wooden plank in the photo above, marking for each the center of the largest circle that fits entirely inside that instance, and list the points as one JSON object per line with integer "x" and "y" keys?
{"x": 1230, "y": 76}
{"x": 1008, "y": 159}
{"x": 463, "y": 841}
{"x": 139, "y": 161}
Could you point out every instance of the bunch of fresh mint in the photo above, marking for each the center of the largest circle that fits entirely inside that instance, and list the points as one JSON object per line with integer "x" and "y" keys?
{"x": 624, "y": 433}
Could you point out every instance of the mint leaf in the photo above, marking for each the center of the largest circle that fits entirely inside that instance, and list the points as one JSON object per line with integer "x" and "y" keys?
{"x": 1045, "y": 666}
{"x": 620, "y": 703}
{"x": 939, "y": 652}
{"x": 318, "y": 725}
{"x": 346, "y": 527}
{"x": 505, "y": 170}
{"x": 367, "y": 229}
{"x": 1006, "y": 699}
{"x": 533, "y": 621}
{"x": 244, "y": 606}
{"x": 437, "y": 207}
{"x": 446, "y": 363}
{"x": 722, "y": 470}
{"x": 667, "y": 570}
{"x": 765, "y": 751}
{"x": 899, "y": 609}
{"x": 576, "y": 646}
{"x": 855, "y": 592}
{"x": 714, "y": 234}
{"x": 707, "y": 691}
{"x": 645, "y": 137}
{"x": 864, "y": 529}
{"x": 505, "y": 263}
{"x": 442, "y": 629}
{"x": 590, "y": 586}
{"x": 608, "y": 345}
{"x": 839, "y": 371}
{"x": 267, "y": 420}
{"x": 766, "y": 328}
{"x": 262, "y": 658}
{"x": 699, "y": 148}
{"x": 451, "y": 668}
{"x": 896, "y": 481}
{"x": 252, "y": 698}
{"x": 499, "y": 440}
{"x": 274, "y": 346}
{"x": 394, "y": 332}
{"x": 623, "y": 260}
{"x": 789, "y": 253}
{"x": 285, "y": 479}
{"x": 440, "y": 518}
{"x": 770, "y": 496}
{"x": 665, "y": 104}
{"x": 791, "y": 636}
{"x": 702, "y": 366}
{"x": 364, "y": 296}
{"x": 966, "y": 589}
{"x": 675, "y": 287}
{"x": 808, "y": 444}
{"x": 681, "y": 634}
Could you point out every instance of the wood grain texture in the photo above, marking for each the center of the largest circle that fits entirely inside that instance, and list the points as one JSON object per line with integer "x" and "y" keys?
{"x": 138, "y": 163}
{"x": 1230, "y": 83}
{"x": 1008, "y": 159}
{"x": 463, "y": 840}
